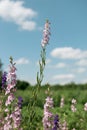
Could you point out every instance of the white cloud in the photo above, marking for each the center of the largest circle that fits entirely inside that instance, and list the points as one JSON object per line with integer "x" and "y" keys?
{"x": 15, "y": 12}
{"x": 78, "y": 70}
{"x": 68, "y": 53}
{"x": 81, "y": 70}
{"x": 22, "y": 61}
{"x": 63, "y": 76}
{"x": 62, "y": 79}
{"x": 60, "y": 65}
{"x": 82, "y": 62}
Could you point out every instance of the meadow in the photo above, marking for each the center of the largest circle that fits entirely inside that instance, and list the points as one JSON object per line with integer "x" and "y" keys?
{"x": 41, "y": 107}
{"x": 71, "y": 91}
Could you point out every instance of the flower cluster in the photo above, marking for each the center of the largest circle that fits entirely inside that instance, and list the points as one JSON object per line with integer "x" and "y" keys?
{"x": 73, "y": 107}
{"x": 56, "y": 122}
{"x": 85, "y": 106}
{"x": 62, "y": 102}
{"x": 11, "y": 80}
{"x": 48, "y": 116}
{"x": 12, "y": 108}
{"x": 46, "y": 34}
{"x": 4, "y": 77}
{"x": 63, "y": 126}
{"x": 16, "y": 116}
{"x": 73, "y": 129}
{"x": 20, "y": 101}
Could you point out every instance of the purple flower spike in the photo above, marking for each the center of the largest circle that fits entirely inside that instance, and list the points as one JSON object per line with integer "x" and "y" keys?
{"x": 56, "y": 123}
{"x": 20, "y": 101}
{"x": 4, "y": 78}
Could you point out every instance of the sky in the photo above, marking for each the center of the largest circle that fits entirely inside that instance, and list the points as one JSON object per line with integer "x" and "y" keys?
{"x": 21, "y": 31}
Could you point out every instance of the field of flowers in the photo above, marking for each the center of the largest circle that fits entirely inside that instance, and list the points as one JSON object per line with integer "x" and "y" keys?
{"x": 68, "y": 103}
{"x": 41, "y": 107}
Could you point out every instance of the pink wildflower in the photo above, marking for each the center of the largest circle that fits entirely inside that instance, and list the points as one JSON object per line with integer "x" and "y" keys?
{"x": 46, "y": 34}
{"x": 63, "y": 126}
{"x": 48, "y": 116}
{"x": 62, "y": 102}
{"x": 85, "y": 106}
{"x": 74, "y": 101}
{"x": 73, "y": 107}
{"x": 10, "y": 99}
{"x": 13, "y": 118}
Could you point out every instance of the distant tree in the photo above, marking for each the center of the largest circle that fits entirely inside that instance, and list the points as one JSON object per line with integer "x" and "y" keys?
{"x": 22, "y": 84}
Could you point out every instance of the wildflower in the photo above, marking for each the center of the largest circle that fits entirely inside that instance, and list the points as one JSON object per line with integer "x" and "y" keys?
{"x": 62, "y": 102}
{"x": 48, "y": 116}
{"x": 16, "y": 116}
{"x": 11, "y": 79}
{"x": 4, "y": 77}
{"x": 85, "y": 106}
{"x": 9, "y": 91}
{"x": 63, "y": 126}
{"x": 74, "y": 101}
{"x": 20, "y": 101}
{"x": 9, "y": 99}
{"x": 7, "y": 126}
{"x": 56, "y": 123}
{"x": 13, "y": 115}
{"x": 46, "y": 34}
{"x": 73, "y": 107}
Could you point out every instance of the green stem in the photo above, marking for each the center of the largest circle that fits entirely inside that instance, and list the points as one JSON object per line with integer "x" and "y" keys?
{"x": 40, "y": 76}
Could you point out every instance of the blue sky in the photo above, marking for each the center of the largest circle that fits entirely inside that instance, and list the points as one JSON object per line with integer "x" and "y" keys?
{"x": 21, "y": 27}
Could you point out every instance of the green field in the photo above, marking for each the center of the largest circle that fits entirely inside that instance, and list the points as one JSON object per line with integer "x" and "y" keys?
{"x": 77, "y": 120}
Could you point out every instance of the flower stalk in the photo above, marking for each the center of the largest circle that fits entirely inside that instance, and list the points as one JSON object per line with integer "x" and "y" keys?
{"x": 40, "y": 75}
{"x": 12, "y": 109}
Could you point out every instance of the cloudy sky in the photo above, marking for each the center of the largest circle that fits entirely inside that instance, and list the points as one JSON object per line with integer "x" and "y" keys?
{"x": 21, "y": 27}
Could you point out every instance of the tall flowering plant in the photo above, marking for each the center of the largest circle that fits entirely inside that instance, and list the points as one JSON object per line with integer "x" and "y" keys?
{"x": 12, "y": 119}
{"x": 42, "y": 62}
{"x": 40, "y": 75}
